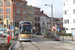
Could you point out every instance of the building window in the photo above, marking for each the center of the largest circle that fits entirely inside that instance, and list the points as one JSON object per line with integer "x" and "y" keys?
{"x": 9, "y": 17}
{"x": 73, "y": 20}
{"x": 1, "y": 10}
{"x": 24, "y": 5}
{"x": 65, "y": 12}
{"x": 1, "y": 17}
{"x": 33, "y": 15}
{"x": 30, "y": 15}
{"x": 18, "y": 4}
{"x": 37, "y": 12}
{"x": 37, "y": 28}
{"x": 24, "y": 18}
{"x": 37, "y": 15}
{"x": 18, "y": 17}
{"x": 34, "y": 9}
{"x": 1, "y": 3}
{"x": 43, "y": 23}
{"x": 28, "y": 8}
{"x": 18, "y": 10}
{"x": 66, "y": 21}
{"x": 74, "y": 11}
{"x": 73, "y": 1}
{"x": 24, "y": 11}
{"x": 7, "y": 3}
{"x": 64, "y": 4}
{"x": 8, "y": 10}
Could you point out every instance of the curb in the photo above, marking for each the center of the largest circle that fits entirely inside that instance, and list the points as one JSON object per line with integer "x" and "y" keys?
{"x": 2, "y": 38}
{"x": 10, "y": 48}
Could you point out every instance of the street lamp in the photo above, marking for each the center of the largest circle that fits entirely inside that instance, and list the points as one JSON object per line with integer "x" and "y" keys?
{"x": 51, "y": 12}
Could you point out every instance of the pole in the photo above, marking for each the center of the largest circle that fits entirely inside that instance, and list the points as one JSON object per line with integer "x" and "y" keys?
{"x": 55, "y": 28}
{"x": 72, "y": 35}
{"x": 72, "y": 38}
{"x": 14, "y": 22}
{"x": 52, "y": 15}
{"x": 64, "y": 34}
{"x": 6, "y": 30}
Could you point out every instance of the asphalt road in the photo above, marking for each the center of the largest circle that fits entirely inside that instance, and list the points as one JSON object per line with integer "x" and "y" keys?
{"x": 41, "y": 43}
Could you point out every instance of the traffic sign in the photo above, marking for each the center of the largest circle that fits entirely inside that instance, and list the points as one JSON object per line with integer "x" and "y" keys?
{"x": 11, "y": 27}
{"x": 53, "y": 27}
{"x": 58, "y": 29}
{"x": 5, "y": 21}
{"x": 52, "y": 30}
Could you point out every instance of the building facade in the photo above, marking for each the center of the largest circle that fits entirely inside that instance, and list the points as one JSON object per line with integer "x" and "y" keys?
{"x": 68, "y": 15}
{"x": 37, "y": 19}
{"x": 13, "y": 9}
{"x": 44, "y": 23}
{"x": 59, "y": 24}
{"x": 30, "y": 14}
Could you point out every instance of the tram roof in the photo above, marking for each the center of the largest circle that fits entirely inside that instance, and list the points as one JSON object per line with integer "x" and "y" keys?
{"x": 24, "y": 21}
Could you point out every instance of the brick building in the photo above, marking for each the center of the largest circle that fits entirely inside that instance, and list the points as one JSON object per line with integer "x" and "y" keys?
{"x": 11, "y": 8}
{"x": 37, "y": 18}
{"x": 58, "y": 22}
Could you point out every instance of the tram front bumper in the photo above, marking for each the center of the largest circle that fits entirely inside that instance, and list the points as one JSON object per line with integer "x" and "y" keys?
{"x": 24, "y": 39}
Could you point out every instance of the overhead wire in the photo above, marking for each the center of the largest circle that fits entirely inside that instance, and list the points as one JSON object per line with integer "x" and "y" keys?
{"x": 53, "y": 1}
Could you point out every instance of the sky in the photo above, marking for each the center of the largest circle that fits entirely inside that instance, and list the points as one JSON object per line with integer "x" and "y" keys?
{"x": 57, "y": 6}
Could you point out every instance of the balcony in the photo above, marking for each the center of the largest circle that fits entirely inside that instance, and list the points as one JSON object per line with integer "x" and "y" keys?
{"x": 37, "y": 24}
{"x": 37, "y": 18}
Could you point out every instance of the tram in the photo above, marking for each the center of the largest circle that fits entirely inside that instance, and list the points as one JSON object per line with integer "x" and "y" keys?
{"x": 25, "y": 31}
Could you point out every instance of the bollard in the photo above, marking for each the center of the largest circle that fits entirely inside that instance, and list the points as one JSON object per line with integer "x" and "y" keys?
{"x": 8, "y": 39}
{"x": 2, "y": 35}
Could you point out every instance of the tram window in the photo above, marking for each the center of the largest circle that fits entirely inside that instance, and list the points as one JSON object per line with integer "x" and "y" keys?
{"x": 26, "y": 29}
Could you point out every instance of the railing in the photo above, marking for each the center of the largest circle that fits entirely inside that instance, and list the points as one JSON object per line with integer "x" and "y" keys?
{"x": 37, "y": 24}
{"x": 37, "y": 18}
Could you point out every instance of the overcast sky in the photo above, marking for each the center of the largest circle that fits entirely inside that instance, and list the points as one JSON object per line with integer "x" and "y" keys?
{"x": 57, "y": 6}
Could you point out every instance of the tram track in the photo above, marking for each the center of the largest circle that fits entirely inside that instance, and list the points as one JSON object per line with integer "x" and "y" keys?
{"x": 34, "y": 45}
{"x": 30, "y": 43}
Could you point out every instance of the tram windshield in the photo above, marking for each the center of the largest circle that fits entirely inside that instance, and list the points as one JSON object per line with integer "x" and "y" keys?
{"x": 25, "y": 29}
